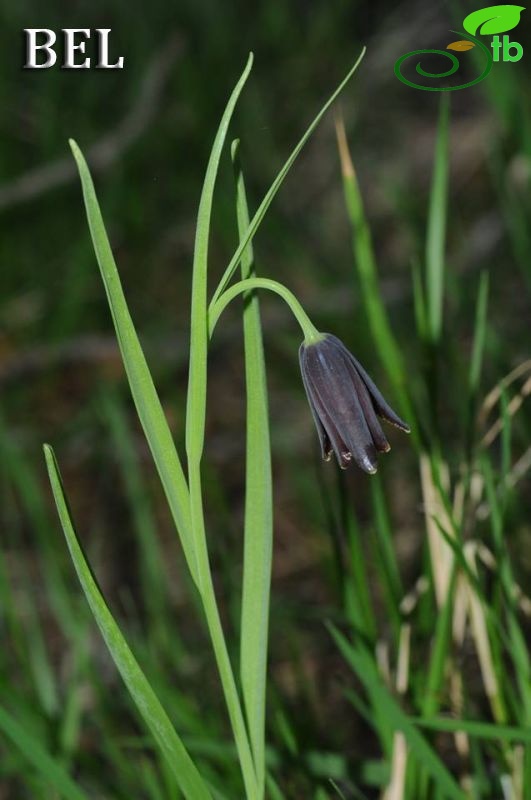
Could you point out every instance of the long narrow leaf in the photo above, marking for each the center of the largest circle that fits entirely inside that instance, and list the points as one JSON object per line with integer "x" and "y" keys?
{"x": 375, "y": 310}
{"x": 277, "y": 183}
{"x": 258, "y": 538}
{"x": 439, "y": 653}
{"x": 476, "y": 360}
{"x": 143, "y": 390}
{"x": 479, "y": 334}
{"x": 385, "y": 554}
{"x": 27, "y": 485}
{"x": 481, "y": 730}
{"x": 182, "y": 766}
{"x": 197, "y": 382}
{"x": 436, "y": 233}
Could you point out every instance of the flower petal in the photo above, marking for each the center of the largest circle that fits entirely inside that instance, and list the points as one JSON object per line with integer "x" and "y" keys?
{"x": 378, "y": 436}
{"x": 326, "y": 447}
{"x": 382, "y": 408}
{"x": 321, "y": 416}
{"x": 337, "y": 393}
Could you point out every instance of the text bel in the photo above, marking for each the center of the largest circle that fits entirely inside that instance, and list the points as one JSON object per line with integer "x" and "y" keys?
{"x": 40, "y": 52}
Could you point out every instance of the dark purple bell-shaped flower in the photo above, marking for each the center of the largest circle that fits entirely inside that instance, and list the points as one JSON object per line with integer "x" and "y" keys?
{"x": 345, "y": 404}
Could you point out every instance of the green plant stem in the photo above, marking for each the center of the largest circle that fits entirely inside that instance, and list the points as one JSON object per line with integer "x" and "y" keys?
{"x": 215, "y": 629}
{"x": 311, "y": 334}
{"x": 195, "y": 430}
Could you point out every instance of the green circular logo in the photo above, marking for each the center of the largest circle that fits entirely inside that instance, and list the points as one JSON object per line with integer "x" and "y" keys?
{"x": 436, "y": 75}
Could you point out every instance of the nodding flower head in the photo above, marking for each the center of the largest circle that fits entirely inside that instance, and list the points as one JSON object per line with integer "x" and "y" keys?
{"x": 345, "y": 404}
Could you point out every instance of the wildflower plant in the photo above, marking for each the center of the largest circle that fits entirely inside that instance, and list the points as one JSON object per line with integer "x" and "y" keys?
{"x": 359, "y": 436}
{"x": 405, "y": 644}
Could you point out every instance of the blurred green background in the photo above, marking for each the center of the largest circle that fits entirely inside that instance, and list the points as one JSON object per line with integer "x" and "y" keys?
{"x": 147, "y": 132}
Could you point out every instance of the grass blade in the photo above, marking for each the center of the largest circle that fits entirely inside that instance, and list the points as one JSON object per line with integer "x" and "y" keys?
{"x": 155, "y": 717}
{"x": 439, "y": 652}
{"x": 481, "y": 730}
{"x": 474, "y": 375}
{"x": 419, "y": 301}
{"x": 516, "y": 639}
{"x": 51, "y": 770}
{"x": 277, "y": 183}
{"x": 436, "y": 233}
{"x": 358, "y": 600}
{"x": 143, "y": 390}
{"x": 385, "y": 555}
{"x": 479, "y": 335}
{"x": 27, "y": 486}
{"x": 381, "y": 331}
{"x": 258, "y": 538}
{"x": 363, "y": 664}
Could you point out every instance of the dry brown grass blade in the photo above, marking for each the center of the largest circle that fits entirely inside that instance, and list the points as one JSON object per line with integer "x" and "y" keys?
{"x": 396, "y": 787}
{"x": 411, "y": 599}
{"x": 479, "y": 630}
{"x": 347, "y": 167}
{"x": 494, "y": 397}
{"x": 436, "y": 515}
{"x": 397, "y": 782}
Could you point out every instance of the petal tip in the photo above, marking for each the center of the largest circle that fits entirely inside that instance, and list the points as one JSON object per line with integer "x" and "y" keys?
{"x": 368, "y": 465}
{"x": 396, "y": 423}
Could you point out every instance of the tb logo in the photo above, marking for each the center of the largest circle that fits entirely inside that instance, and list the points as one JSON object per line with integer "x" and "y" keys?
{"x": 506, "y": 46}
{"x": 489, "y": 21}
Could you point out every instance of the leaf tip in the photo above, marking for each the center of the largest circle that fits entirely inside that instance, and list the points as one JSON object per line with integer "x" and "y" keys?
{"x": 234, "y": 148}
{"x": 347, "y": 167}
{"x": 49, "y": 457}
{"x": 76, "y": 152}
